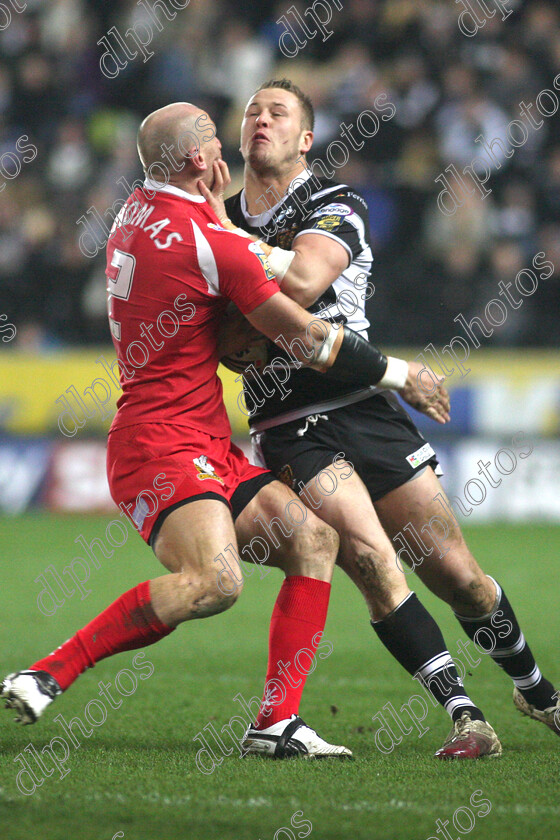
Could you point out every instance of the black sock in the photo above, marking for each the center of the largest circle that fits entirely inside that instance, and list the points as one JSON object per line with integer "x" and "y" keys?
{"x": 412, "y": 636}
{"x": 510, "y": 651}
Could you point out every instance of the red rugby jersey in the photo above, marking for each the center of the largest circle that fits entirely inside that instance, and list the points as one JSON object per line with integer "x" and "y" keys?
{"x": 171, "y": 270}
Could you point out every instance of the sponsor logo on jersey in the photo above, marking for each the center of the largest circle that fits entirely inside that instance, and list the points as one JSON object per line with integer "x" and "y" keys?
{"x": 420, "y": 456}
{"x": 356, "y": 196}
{"x": 329, "y": 223}
{"x": 205, "y": 469}
{"x": 258, "y": 251}
{"x": 331, "y": 216}
{"x": 216, "y": 227}
{"x": 337, "y": 209}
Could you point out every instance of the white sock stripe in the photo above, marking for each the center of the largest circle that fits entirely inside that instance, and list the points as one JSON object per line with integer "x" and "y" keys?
{"x": 475, "y": 619}
{"x": 529, "y": 680}
{"x": 456, "y": 702}
{"x": 501, "y": 653}
{"x": 498, "y": 590}
{"x": 440, "y": 671}
{"x": 441, "y": 680}
{"x": 526, "y": 684}
{"x": 436, "y": 663}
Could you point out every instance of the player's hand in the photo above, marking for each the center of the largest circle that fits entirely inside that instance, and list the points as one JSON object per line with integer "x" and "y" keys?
{"x": 215, "y": 196}
{"x": 236, "y": 333}
{"x": 436, "y": 405}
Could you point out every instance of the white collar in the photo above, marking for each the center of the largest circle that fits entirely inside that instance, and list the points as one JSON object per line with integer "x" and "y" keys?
{"x": 264, "y": 218}
{"x": 157, "y": 186}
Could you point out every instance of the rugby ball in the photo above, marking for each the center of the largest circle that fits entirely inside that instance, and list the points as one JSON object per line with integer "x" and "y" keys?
{"x": 256, "y": 354}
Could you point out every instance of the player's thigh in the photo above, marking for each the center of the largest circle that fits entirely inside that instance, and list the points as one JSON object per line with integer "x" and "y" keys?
{"x": 193, "y": 543}
{"x": 276, "y": 528}
{"x": 193, "y": 534}
{"x": 366, "y": 553}
{"x": 421, "y": 514}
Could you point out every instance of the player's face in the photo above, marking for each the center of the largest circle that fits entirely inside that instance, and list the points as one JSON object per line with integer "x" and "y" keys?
{"x": 210, "y": 150}
{"x": 272, "y": 136}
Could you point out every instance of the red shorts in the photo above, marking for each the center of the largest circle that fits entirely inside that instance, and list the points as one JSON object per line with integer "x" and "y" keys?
{"x": 155, "y": 466}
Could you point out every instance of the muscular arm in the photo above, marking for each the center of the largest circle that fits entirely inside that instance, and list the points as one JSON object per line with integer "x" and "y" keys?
{"x": 346, "y": 354}
{"x": 318, "y": 261}
{"x": 313, "y": 264}
{"x": 312, "y": 341}
{"x": 322, "y": 346}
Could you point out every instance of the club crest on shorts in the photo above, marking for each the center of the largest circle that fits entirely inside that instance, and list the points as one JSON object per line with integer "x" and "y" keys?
{"x": 205, "y": 469}
{"x": 286, "y": 476}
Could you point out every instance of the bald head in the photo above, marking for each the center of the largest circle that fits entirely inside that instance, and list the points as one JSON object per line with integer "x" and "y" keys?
{"x": 171, "y": 134}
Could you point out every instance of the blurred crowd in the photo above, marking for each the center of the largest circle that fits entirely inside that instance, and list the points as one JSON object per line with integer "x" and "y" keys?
{"x": 447, "y": 89}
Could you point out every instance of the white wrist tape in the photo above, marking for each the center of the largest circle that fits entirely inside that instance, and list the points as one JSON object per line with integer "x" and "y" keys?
{"x": 396, "y": 374}
{"x": 325, "y": 351}
{"x": 240, "y": 232}
{"x": 279, "y": 261}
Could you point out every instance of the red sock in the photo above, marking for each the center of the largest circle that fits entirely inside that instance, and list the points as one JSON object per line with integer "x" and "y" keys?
{"x": 297, "y": 623}
{"x": 129, "y": 623}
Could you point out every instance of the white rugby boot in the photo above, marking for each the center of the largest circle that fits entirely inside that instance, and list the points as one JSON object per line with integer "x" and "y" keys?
{"x": 290, "y": 738}
{"x": 29, "y": 693}
{"x": 550, "y": 717}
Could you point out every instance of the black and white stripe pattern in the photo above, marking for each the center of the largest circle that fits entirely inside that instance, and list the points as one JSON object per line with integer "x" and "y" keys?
{"x": 502, "y": 653}
{"x": 461, "y": 701}
{"x": 439, "y": 664}
{"x": 410, "y": 633}
{"x": 510, "y": 650}
{"x": 439, "y": 676}
{"x": 528, "y": 680}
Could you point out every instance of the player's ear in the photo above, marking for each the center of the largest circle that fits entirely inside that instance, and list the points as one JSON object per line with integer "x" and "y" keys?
{"x": 306, "y": 142}
{"x": 198, "y": 161}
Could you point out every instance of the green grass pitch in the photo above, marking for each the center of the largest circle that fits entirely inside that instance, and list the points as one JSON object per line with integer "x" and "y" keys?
{"x": 136, "y": 777}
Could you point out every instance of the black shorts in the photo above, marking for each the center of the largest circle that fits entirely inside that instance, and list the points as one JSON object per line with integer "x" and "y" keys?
{"x": 376, "y": 435}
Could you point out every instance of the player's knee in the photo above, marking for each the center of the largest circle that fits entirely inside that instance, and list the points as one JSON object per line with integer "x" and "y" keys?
{"x": 226, "y": 589}
{"x": 207, "y": 594}
{"x": 472, "y": 592}
{"x": 223, "y": 590}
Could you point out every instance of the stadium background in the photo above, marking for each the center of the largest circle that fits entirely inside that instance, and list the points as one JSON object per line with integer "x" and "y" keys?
{"x": 446, "y": 87}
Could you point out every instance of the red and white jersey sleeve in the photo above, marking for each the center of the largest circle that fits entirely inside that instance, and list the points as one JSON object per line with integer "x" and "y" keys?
{"x": 171, "y": 270}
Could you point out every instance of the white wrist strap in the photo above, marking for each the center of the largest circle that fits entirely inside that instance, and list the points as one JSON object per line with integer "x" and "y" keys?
{"x": 325, "y": 351}
{"x": 396, "y": 374}
{"x": 279, "y": 261}
{"x": 240, "y": 232}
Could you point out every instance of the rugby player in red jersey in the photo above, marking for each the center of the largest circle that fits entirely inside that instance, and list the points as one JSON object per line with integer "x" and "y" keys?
{"x": 171, "y": 271}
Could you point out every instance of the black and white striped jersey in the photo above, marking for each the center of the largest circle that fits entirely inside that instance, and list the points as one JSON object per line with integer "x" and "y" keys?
{"x": 319, "y": 206}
